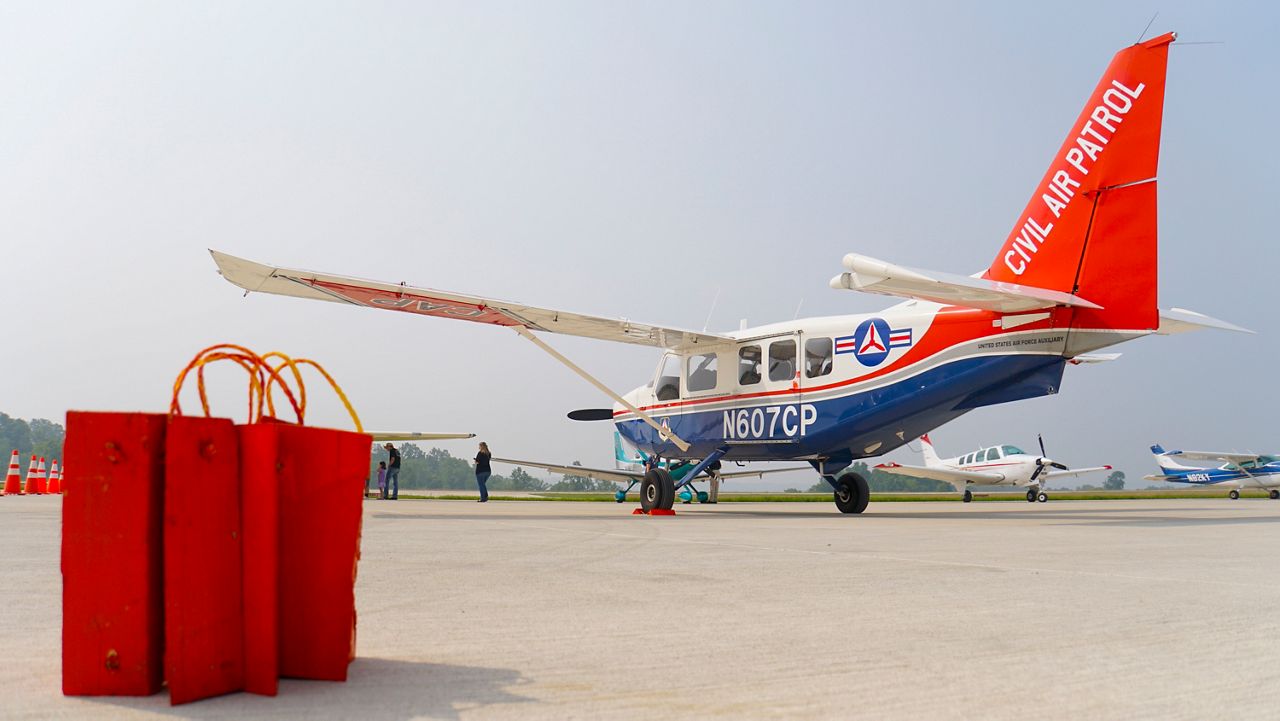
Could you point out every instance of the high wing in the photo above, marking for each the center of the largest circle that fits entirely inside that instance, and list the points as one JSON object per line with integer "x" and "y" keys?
{"x": 1055, "y": 473}
{"x": 953, "y": 476}
{"x": 877, "y": 276}
{"x": 1213, "y": 456}
{"x": 610, "y": 474}
{"x": 379, "y": 436}
{"x": 256, "y": 277}
{"x": 600, "y": 474}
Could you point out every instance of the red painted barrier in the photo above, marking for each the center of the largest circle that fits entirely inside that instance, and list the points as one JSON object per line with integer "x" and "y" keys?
{"x": 112, "y": 626}
{"x": 260, "y": 503}
{"x": 203, "y": 545}
{"x": 322, "y": 476}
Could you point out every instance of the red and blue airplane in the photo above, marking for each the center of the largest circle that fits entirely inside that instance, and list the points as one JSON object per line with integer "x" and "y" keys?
{"x": 1076, "y": 274}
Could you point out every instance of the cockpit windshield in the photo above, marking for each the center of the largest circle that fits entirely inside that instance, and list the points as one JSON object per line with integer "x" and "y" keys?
{"x": 1013, "y": 451}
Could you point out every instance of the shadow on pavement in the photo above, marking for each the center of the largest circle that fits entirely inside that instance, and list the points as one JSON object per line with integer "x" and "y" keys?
{"x": 376, "y": 688}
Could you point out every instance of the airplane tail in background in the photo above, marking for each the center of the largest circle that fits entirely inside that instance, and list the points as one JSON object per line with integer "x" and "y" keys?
{"x": 931, "y": 459}
{"x": 1090, "y": 227}
{"x": 1168, "y": 465}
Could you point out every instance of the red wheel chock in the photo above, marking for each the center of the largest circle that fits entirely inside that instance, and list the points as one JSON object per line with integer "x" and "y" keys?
{"x": 654, "y": 512}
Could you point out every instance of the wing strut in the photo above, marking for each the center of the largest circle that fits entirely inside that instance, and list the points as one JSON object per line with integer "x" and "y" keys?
{"x": 663, "y": 432}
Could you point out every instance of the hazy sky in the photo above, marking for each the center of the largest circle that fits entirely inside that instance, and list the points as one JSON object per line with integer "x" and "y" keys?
{"x": 619, "y": 159}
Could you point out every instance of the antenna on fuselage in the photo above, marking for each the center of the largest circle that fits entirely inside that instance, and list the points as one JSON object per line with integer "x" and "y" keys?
{"x": 798, "y": 307}
{"x": 713, "y": 310}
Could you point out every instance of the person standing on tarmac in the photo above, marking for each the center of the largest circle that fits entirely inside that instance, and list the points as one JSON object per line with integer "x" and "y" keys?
{"x": 483, "y": 471}
{"x": 393, "y": 473}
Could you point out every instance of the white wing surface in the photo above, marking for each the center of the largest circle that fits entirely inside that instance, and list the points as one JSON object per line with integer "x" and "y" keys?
{"x": 259, "y": 278}
{"x": 877, "y": 276}
{"x": 381, "y": 436}
{"x": 953, "y": 476}
{"x": 1055, "y": 473}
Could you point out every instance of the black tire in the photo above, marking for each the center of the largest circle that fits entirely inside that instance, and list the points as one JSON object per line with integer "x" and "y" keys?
{"x": 968, "y": 496}
{"x": 1274, "y": 494}
{"x": 852, "y": 493}
{"x": 651, "y": 494}
{"x": 1031, "y": 496}
{"x": 1042, "y": 497}
{"x": 1234, "y": 494}
{"x": 664, "y": 490}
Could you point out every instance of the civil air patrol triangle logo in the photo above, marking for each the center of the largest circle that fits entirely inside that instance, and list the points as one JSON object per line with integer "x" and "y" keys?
{"x": 872, "y": 341}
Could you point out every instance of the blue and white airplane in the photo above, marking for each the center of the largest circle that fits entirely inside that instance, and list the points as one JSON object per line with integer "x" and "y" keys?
{"x": 1239, "y": 471}
{"x": 1078, "y": 273}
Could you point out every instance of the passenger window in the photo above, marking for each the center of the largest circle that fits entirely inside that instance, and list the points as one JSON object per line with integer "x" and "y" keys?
{"x": 993, "y": 454}
{"x": 817, "y": 357}
{"x": 782, "y": 360}
{"x": 966, "y": 460}
{"x": 669, "y": 379}
{"x": 702, "y": 372}
{"x": 748, "y": 365}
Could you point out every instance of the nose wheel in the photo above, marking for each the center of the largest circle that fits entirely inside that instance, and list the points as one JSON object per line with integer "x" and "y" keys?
{"x": 1274, "y": 494}
{"x": 657, "y": 490}
{"x": 1234, "y": 494}
{"x": 1034, "y": 495}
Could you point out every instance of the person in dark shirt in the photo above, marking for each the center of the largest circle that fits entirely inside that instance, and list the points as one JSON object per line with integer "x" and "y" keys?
{"x": 393, "y": 473}
{"x": 482, "y": 470}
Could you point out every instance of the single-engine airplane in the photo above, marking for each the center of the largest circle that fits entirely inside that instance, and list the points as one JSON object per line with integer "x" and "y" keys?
{"x": 1076, "y": 274}
{"x": 994, "y": 466}
{"x": 1239, "y": 471}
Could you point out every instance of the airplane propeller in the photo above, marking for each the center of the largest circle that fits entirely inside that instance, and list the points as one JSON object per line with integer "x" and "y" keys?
{"x": 591, "y": 414}
{"x": 1043, "y": 461}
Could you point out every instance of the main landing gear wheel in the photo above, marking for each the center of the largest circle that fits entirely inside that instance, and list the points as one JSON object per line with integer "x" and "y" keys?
{"x": 968, "y": 495}
{"x": 1042, "y": 497}
{"x": 1274, "y": 494}
{"x": 1234, "y": 494}
{"x": 852, "y": 493}
{"x": 1031, "y": 496}
{"x": 657, "y": 490}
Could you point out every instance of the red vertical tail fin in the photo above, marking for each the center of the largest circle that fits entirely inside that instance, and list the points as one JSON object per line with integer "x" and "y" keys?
{"x": 1090, "y": 227}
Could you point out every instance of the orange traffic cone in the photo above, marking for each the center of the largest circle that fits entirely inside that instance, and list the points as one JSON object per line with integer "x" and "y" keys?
{"x": 55, "y": 480}
{"x": 31, "y": 478}
{"x": 40, "y": 477}
{"x": 13, "y": 481}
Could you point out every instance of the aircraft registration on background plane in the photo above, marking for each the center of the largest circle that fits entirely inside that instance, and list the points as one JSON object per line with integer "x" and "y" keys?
{"x": 1238, "y": 472}
{"x": 994, "y": 466}
{"x": 1076, "y": 274}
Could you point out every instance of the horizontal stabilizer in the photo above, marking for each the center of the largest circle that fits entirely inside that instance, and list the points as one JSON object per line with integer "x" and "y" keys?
{"x": 1093, "y": 358}
{"x": 1181, "y": 320}
{"x": 622, "y": 476}
{"x": 877, "y": 276}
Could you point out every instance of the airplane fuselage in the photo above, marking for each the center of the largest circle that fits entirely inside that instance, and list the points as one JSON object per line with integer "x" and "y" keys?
{"x": 847, "y": 387}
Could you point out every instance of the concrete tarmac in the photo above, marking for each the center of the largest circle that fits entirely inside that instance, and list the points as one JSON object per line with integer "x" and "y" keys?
{"x": 540, "y": 610}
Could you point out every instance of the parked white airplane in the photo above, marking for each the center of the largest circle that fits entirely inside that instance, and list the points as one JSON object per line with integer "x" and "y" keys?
{"x": 1078, "y": 273}
{"x": 994, "y": 466}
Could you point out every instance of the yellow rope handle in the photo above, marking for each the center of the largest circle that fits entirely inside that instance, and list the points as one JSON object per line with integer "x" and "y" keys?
{"x": 261, "y": 375}
{"x": 293, "y": 364}
{"x": 297, "y": 377}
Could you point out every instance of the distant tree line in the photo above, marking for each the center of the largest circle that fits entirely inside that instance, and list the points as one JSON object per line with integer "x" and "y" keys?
{"x": 438, "y": 469}
{"x": 38, "y": 437}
